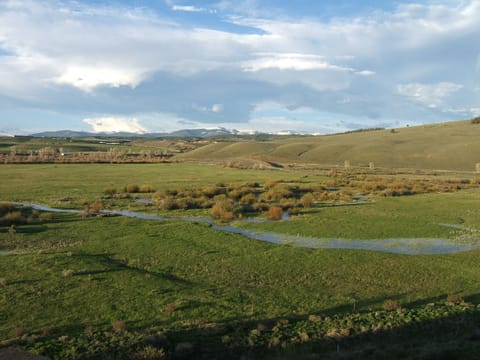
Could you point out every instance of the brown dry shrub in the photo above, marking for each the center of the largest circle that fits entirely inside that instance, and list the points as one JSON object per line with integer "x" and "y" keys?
{"x": 93, "y": 208}
{"x": 118, "y": 326}
{"x": 6, "y": 207}
{"x": 390, "y": 305}
{"x": 132, "y": 188}
{"x": 307, "y": 200}
{"x": 223, "y": 210}
{"x": 109, "y": 191}
{"x": 170, "y": 308}
{"x": 277, "y": 192}
{"x": 145, "y": 188}
{"x": 275, "y": 213}
{"x": 67, "y": 273}
{"x": 13, "y": 218}
{"x": 453, "y": 299}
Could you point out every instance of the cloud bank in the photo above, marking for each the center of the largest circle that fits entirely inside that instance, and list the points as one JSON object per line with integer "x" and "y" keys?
{"x": 115, "y": 124}
{"x": 413, "y": 63}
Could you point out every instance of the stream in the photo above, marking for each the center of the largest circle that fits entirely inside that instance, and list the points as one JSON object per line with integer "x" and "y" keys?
{"x": 409, "y": 246}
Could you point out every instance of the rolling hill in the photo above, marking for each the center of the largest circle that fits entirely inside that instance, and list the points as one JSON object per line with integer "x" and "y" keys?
{"x": 446, "y": 146}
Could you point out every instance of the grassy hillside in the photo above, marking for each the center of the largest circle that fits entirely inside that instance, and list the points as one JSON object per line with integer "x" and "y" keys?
{"x": 447, "y": 146}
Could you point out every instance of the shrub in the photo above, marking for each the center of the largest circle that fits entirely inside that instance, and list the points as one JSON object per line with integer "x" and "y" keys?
{"x": 453, "y": 299}
{"x": 475, "y": 120}
{"x": 307, "y": 200}
{"x": 6, "y": 207}
{"x": 67, "y": 273}
{"x": 277, "y": 192}
{"x": 223, "y": 210}
{"x": 149, "y": 353}
{"x": 146, "y": 189}
{"x": 93, "y": 208}
{"x": 167, "y": 203}
{"x": 271, "y": 183}
{"x": 248, "y": 199}
{"x": 19, "y": 331}
{"x": 109, "y": 191}
{"x": 12, "y": 231}
{"x": 170, "y": 308}
{"x": 287, "y": 203}
{"x": 275, "y": 213}
{"x": 13, "y": 218}
{"x": 132, "y": 188}
{"x": 390, "y": 305}
{"x": 118, "y": 326}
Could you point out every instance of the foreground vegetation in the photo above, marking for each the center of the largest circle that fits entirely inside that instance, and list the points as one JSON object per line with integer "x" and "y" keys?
{"x": 75, "y": 286}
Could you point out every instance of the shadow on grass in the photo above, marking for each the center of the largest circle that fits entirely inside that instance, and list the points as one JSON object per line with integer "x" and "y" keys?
{"x": 424, "y": 332}
{"x": 112, "y": 264}
{"x": 454, "y": 334}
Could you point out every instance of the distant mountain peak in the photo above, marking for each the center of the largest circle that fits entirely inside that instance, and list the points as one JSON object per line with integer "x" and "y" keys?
{"x": 194, "y": 133}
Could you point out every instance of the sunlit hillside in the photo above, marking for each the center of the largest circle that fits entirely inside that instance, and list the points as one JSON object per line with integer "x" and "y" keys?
{"x": 448, "y": 146}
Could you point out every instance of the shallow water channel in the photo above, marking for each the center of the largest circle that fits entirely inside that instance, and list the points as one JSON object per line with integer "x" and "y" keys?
{"x": 410, "y": 246}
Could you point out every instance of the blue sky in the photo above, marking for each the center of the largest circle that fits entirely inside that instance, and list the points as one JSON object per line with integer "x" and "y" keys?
{"x": 160, "y": 65}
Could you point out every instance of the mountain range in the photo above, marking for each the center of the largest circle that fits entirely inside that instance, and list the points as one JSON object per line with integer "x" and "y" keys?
{"x": 191, "y": 133}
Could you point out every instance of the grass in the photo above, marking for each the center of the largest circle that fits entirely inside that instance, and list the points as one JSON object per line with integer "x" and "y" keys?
{"x": 399, "y": 217}
{"x": 135, "y": 270}
{"x": 47, "y": 183}
{"x": 121, "y": 278}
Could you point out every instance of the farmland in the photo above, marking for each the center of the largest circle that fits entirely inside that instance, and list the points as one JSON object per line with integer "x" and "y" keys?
{"x": 88, "y": 285}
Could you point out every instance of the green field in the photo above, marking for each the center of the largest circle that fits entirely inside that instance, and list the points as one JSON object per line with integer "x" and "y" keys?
{"x": 103, "y": 287}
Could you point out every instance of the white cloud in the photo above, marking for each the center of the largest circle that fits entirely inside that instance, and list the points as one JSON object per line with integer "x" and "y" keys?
{"x": 365, "y": 73}
{"x": 298, "y": 62}
{"x": 87, "y": 78}
{"x": 344, "y": 66}
{"x": 431, "y": 95}
{"x": 115, "y": 124}
{"x": 191, "y": 8}
{"x": 217, "y": 108}
{"x": 188, "y": 8}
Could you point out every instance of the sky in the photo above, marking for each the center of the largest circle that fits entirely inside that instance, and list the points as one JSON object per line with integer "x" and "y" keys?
{"x": 317, "y": 66}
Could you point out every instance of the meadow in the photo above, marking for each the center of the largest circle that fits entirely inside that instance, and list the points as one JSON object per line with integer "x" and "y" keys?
{"x": 90, "y": 286}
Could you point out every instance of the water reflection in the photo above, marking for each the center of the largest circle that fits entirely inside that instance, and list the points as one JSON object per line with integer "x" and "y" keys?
{"x": 410, "y": 246}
